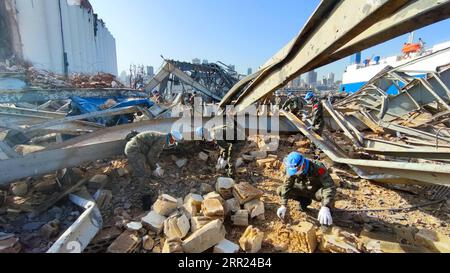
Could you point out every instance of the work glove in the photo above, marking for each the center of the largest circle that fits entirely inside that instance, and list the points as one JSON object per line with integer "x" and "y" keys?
{"x": 304, "y": 116}
{"x": 221, "y": 163}
{"x": 159, "y": 172}
{"x": 281, "y": 212}
{"x": 309, "y": 128}
{"x": 325, "y": 216}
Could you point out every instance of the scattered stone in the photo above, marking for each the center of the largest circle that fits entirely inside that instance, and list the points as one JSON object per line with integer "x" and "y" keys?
{"x": 248, "y": 158}
{"x": 258, "y": 154}
{"x": 226, "y": 247}
{"x": 134, "y": 226}
{"x": 173, "y": 245}
{"x": 103, "y": 198}
{"x": 122, "y": 172}
{"x": 251, "y": 240}
{"x": 265, "y": 162}
{"x": 127, "y": 242}
{"x": 19, "y": 188}
{"x": 205, "y": 188}
{"x": 433, "y": 240}
{"x": 244, "y": 192}
{"x": 255, "y": 207}
{"x": 9, "y": 243}
{"x": 203, "y": 156}
{"x": 336, "y": 179}
{"x": 231, "y": 206}
{"x": 214, "y": 195}
{"x": 28, "y": 149}
{"x": 98, "y": 181}
{"x": 213, "y": 208}
{"x": 240, "y": 218}
{"x": 192, "y": 205}
{"x": 199, "y": 221}
{"x": 333, "y": 243}
{"x": 165, "y": 205}
{"x": 383, "y": 243}
{"x": 154, "y": 222}
{"x": 148, "y": 243}
{"x": 239, "y": 162}
{"x": 156, "y": 249}
{"x": 181, "y": 162}
{"x": 50, "y": 230}
{"x": 224, "y": 187}
{"x": 204, "y": 238}
{"x": 177, "y": 226}
{"x": 304, "y": 235}
{"x": 47, "y": 186}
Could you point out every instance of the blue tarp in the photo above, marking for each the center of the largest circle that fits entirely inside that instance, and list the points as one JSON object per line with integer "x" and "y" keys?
{"x": 81, "y": 106}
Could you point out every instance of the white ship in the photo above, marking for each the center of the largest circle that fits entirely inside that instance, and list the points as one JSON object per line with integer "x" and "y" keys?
{"x": 359, "y": 73}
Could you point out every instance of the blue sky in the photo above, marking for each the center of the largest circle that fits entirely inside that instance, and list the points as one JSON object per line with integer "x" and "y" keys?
{"x": 245, "y": 33}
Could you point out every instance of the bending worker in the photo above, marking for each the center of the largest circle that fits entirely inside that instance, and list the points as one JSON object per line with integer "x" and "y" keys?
{"x": 294, "y": 104}
{"x": 143, "y": 150}
{"x": 318, "y": 122}
{"x": 307, "y": 180}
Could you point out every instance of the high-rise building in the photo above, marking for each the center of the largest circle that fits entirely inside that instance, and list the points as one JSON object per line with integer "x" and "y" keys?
{"x": 325, "y": 81}
{"x": 249, "y": 71}
{"x": 205, "y": 61}
{"x": 311, "y": 78}
{"x": 196, "y": 61}
{"x": 331, "y": 78}
{"x": 150, "y": 71}
{"x": 296, "y": 83}
{"x": 232, "y": 67}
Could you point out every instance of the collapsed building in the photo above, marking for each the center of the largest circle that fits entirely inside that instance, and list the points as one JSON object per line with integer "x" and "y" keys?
{"x": 76, "y": 194}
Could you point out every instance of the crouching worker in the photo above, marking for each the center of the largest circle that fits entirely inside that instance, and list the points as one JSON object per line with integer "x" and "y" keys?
{"x": 144, "y": 149}
{"x": 307, "y": 180}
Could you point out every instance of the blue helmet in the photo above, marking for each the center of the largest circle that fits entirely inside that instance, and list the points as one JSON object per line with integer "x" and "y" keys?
{"x": 309, "y": 96}
{"x": 290, "y": 94}
{"x": 296, "y": 163}
{"x": 201, "y": 132}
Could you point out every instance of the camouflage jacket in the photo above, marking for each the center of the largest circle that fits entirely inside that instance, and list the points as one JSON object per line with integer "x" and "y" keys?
{"x": 293, "y": 104}
{"x": 317, "y": 114}
{"x": 308, "y": 185}
{"x": 149, "y": 143}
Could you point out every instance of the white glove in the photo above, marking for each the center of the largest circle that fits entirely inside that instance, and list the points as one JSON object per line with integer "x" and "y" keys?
{"x": 309, "y": 128}
{"x": 281, "y": 212}
{"x": 221, "y": 164}
{"x": 159, "y": 171}
{"x": 325, "y": 216}
{"x": 304, "y": 116}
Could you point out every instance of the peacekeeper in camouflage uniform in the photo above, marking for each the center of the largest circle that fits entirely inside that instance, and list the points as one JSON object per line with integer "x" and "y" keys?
{"x": 294, "y": 104}
{"x": 318, "y": 122}
{"x": 307, "y": 180}
{"x": 143, "y": 150}
{"x": 228, "y": 148}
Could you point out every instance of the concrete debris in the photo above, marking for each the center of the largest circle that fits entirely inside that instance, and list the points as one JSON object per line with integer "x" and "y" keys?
{"x": 103, "y": 198}
{"x": 214, "y": 195}
{"x": 192, "y": 204}
{"x": 205, "y": 238}
{"x": 154, "y": 222}
{"x": 165, "y": 205}
{"x": 376, "y": 242}
{"x": 251, "y": 240}
{"x": 335, "y": 241}
{"x": 213, "y": 208}
{"x": 50, "y": 230}
{"x": 433, "y": 240}
{"x": 248, "y": 158}
{"x": 239, "y": 162}
{"x": 181, "y": 162}
{"x": 177, "y": 226}
{"x": 19, "y": 189}
{"x": 203, "y": 156}
{"x": 231, "y": 206}
{"x": 258, "y": 154}
{"x": 206, "y": 188}
{"x": 173, "y": 245}
{"x": 134, "y": 226}
{"x": 148, "y": 243}
{"x": 226, "y": 247}
{"x": 240, "y": 218}
{"x": 98, "y": 181}
{"x": 28, "y": 149}
{"x": 224, "y": 186}
{"x": 46, "y": 186}
{"x": 244, "y": 192}
{"x": 255, "y": 207}
{"x": 9, "y": 243}
{"x": 127, "y": 242}
{"x": 304, "y": 235}
{"x": 267, "y": 162}
{"x": 121, "y": 172}
{"x": 103, "y": 240}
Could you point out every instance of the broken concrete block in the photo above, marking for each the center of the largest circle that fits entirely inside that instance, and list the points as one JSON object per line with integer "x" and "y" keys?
{"x": 177, "y": 226}
{"x": 205, "y": 188}
{"x": 214, "y": 195}
{"x": 148, "y": 243}
{"x": 231, "y": 206}
{"x": 47, "y": 186}
{"x": 203, "y": 156}
{"x": 248, "y": 158}
{"x": 255, "y": 207}
{"x": 244, "y": 192}
{"x": 332, "y": 243}
{"x": 134, "y": 226}
{"x": 153, "y": 221}
{"x": 50, "y": 229}
{"x": 127, "y": 242}
{"x": 9, "y": 243}
{"x": 165, "y": 205}
{"x": 240, "y": 218}
{"x": 258, "y": 154}
{"x": 377, "y": 242}
{"x": 213, "y": 208}
{"x": 194, "y": 199}
{"x": 263, "y": 162}
{"x": 226, "y": 246}
{"x": 103, "y": 198}
{"x": 98, "y": 181}
{"x": 336, "y": 179}
{"x": 181, "y": 162}
{"x": 122, "y": 172}
{"x": 251, "y": 240}
{"x": 433, "y": 240}
{"x": 305, "y": 236}
{"x": 199, "y": 221}
{"x": 19, "y": 188}
{"x": 173, "y": 245}
{"x": 204, "y": 238}
{"x": 28, "y": 149}
{"x": 224, "y": 186}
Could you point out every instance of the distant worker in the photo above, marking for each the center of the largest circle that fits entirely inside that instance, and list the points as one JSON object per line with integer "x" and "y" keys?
{"x": 318, "y": 122}
{"x": 294, "y": 104}
{"x": 157, "y": 97}
{"x": 227, "y": 147}
{"x": 143, "y": 150}
{"x": 278, "y": 99}
{"x": 306, "y": 181}
{"x": 192, "y": 99}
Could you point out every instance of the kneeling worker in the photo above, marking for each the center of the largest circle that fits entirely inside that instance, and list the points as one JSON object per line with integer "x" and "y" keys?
{"x": 143, "y": 150}
{"x": 307, "y": 180}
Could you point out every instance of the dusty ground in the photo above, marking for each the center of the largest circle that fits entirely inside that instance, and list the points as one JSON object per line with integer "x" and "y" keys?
{"x": 353, "y": 193}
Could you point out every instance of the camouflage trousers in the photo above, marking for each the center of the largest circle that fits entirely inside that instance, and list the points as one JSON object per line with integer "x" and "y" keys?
{"x": 303, "y": 197}
{"x": 138, "y": 163}
{"x": 229, "y": 152}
